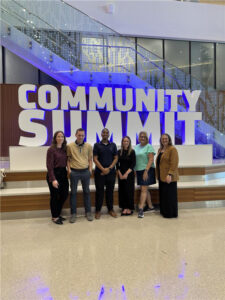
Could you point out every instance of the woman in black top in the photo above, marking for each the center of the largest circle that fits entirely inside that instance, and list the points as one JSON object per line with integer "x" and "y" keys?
{"x": 57, "y": 175}
{"x": 125, "y": 166}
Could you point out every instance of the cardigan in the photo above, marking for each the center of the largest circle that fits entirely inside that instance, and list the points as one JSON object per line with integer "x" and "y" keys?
{"x": 168, "y": 164}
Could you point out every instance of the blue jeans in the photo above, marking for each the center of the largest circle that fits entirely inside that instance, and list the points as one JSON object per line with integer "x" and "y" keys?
{"x": 84, "y": 176}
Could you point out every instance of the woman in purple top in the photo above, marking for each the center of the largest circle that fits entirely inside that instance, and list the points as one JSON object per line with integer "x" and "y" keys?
{"x": 57, "y": 175}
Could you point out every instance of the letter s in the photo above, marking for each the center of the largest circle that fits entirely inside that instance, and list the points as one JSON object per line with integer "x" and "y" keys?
{"x": 39, "y": 130}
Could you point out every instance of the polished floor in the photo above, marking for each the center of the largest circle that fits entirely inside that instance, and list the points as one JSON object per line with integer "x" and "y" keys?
{"x": 124, "y": 258}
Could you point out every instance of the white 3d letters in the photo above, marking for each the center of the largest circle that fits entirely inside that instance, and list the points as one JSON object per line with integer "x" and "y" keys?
{"x": 122, "y": 110}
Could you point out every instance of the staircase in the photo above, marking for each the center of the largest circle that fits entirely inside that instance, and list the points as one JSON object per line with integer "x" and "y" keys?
{"x": 77, "y": 50}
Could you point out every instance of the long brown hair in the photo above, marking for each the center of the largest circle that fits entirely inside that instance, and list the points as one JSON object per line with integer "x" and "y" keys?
{"x": 170, "y": 140}
{"x": 129, "y": 147}
{"x": 54, "y": 142}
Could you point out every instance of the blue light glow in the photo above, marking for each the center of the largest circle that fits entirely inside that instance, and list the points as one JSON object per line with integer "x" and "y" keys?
{"x": 42, "y": 290}
{"x": 124, "y": 293}
{"x": 101, "y": 293}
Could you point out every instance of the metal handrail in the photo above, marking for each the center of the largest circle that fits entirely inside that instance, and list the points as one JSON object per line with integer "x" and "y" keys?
{"x": 28, "y": 26}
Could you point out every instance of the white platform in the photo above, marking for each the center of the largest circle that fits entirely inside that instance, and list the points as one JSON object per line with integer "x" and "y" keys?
{"x": 45, "y": 190}
{"x": 34, "y": 158}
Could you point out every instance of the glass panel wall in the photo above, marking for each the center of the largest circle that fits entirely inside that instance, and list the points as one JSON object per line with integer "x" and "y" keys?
{"x": 153, "y": 45}
{"x": 177, "y": 56}
{"x": 121, "y": 54}
{"x": 202, "y": 63}
{"x": 220, "y": 66}
{"x": 150, "y": 61}
{"x": 92, "y": 53}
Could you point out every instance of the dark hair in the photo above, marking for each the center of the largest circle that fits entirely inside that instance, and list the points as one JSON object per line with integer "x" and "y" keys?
{"x": 54, "y": 142}
{"x": 79, "y": 129}
{"x": 129, "y": 147}
{"x": 170, "y": 140}
{"x": 105, "y": 129}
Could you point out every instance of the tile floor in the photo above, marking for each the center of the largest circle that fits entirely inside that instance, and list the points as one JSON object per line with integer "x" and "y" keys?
{"x": 123, "y": 258}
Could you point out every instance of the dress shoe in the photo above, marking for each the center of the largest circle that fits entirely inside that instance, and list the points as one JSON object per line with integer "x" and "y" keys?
{"x": 58, "y": 221}
{"x": 112, "y": 213}
{"x": 129, "y": 214}
{"x": 97, "y": 215}
{"x": 62, "y": 219}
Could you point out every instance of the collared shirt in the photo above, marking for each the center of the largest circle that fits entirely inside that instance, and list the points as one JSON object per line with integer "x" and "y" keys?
{"x": 105, "y": 153}
{"x": 79, "y": 155}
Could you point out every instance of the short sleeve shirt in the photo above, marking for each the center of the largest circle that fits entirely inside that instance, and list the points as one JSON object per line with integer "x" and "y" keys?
{"x": 79, "y": 156}
{"x": 142, "y": 156}
{"x": 105, "y": 153}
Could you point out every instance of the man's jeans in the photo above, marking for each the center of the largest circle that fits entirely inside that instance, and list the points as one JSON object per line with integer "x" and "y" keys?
{"x": 83, "y": 175}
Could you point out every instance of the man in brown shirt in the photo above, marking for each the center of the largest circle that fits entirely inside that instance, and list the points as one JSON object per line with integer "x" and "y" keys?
{"x": 79, "y": 167}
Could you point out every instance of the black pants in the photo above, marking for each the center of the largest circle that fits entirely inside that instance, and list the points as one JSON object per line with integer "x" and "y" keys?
{"x": 58, "y": 196}
{"x": 100, "y": 182}
{"x": 168, "y": 199}
{"x": 126, "y": 192}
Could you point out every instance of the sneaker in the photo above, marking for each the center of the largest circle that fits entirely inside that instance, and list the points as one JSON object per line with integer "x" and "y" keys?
{"x": 148, "y": 209}
{"x": 89, "y": 216}
{"x": 73, "y": 218}
{"x": 140, "y": 213}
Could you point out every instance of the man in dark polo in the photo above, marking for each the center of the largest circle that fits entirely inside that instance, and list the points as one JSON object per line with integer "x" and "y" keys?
{"x": 105, "y": 159}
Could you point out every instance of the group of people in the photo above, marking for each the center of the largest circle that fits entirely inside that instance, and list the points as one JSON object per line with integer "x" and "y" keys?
{"x": 75, "y": 161}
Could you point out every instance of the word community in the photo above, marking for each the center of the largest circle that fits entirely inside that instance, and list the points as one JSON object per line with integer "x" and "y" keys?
{"x": 124, "y": 111}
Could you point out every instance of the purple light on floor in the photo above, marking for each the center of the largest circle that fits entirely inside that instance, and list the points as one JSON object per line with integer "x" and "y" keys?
{"x": 181, "y": 275}
{"x": 101, "y": 293}
{"x": 74, "y": 297}
{"x": 183, "y": 295}
{"x": 196, "y": 274}
{"x": 157, "y": 286}
{"x": 42, "y": 290}
{"x": 124, "y": 293}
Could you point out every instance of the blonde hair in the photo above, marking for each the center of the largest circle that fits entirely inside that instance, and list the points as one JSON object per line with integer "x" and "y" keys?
{"x": 145, "y": 134}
